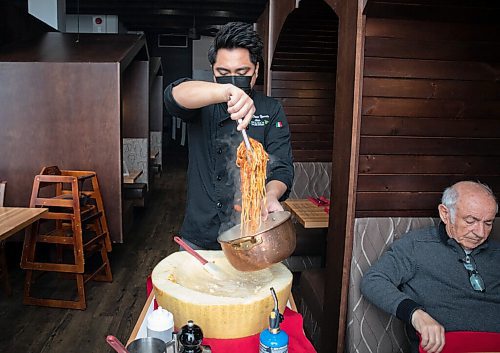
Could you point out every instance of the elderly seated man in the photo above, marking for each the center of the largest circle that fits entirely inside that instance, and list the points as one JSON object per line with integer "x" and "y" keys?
{"x": 444, "y": 278}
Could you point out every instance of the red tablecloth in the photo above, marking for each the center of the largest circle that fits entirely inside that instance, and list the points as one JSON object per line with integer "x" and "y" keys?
{"x": 292, "y": 325}
{"x": 466, "y": 341}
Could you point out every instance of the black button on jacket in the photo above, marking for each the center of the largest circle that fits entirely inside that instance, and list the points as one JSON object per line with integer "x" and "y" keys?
{"x": 213, "y": 177}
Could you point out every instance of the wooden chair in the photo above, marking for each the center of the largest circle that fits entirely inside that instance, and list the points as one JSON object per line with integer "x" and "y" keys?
{"x": 4, "y": 274}
{"x": 75, "y": 223}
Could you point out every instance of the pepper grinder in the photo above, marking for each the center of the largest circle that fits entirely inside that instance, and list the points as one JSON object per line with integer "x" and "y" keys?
{"x": 190, "y": 338}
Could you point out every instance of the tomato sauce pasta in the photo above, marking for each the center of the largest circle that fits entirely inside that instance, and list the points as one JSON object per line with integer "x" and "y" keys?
{"x": 253, "y": 184}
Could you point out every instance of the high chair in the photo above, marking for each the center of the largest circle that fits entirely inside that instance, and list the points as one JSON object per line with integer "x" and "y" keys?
{"x": 76, "y": 224}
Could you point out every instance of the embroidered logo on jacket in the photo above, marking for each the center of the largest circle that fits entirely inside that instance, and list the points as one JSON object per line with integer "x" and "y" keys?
{"x": 259, "y": 120}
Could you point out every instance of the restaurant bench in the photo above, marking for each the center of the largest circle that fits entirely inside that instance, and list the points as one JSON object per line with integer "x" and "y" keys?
{"x": 310, "y": 302}
{"x": 311, "y": 179}
{"x": 368, "y": 328}
{"x": 136, "y": 192}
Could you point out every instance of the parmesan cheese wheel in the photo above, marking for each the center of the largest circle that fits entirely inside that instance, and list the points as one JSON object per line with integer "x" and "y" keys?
{"x": 235, "y": 305}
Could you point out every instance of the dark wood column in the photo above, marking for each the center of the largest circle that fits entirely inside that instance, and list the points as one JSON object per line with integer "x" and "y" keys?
{"x": 344, "y": 161}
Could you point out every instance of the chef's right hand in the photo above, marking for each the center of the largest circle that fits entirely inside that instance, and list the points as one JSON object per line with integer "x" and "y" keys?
{"x": 431, "y": 332}
{"x": 239, "y": 106}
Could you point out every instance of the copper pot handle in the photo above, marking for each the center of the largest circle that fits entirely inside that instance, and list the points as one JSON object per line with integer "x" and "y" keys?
{"x": 245, "y": 244}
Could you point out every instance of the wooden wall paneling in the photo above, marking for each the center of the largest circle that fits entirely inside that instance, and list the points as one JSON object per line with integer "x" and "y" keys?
{"x": 428, "y": 10}
{"x": 431, "y": 111}
{"x": 431, "y": 164}
{"x": 430, "y": 88}
{"x": 310, "y": 127}
{"x": 344, "y": 162}
{"x": 312, "y": 155}
{"x": 309, "y": 93}
{"x": 433, "y": 146}
{"x": 302, "y": 84}
{"x": 430, "y": 48}
{"x": 53, "y": 114}
{"x": 382, "y": 106}
{"x": 415, "y": 182}
{"x": 314, "y": 119}
{"x": 415, "y": 30}
{"x": 308, "y": 101}
{"x": 397, "y": 201}
{"x": 302, "y": 76}
{"x": 311, "y": 110}
{"x": 397, "y": 213}
{"x": 313, "y": 145}
{"x": 304, "y": 45}
{"x": 429, "y": 127}
{"x": 135, "y": 100}
{"x": 436, "y": 69}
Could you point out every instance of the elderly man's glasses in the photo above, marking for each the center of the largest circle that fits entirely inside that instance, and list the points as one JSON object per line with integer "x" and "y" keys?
{"x": 475, "y": 279}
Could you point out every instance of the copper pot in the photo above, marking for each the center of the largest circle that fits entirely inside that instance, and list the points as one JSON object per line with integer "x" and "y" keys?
{"x": 273, "y": 242}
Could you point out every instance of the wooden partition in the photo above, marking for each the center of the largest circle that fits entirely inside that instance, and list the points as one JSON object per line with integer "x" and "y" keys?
{"x": 135, "y": 123}
{"x": 62, "y": 101}
{"x": 303, "y": 72}
{"x": 156, "y": 111}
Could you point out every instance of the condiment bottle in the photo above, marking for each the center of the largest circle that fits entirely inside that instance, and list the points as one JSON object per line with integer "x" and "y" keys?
{"x": 160, "y": 324}
{"x": 190, "y": 337}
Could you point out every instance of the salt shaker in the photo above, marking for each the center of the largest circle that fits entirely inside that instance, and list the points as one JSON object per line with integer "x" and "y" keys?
{"x": 160, "y": 324}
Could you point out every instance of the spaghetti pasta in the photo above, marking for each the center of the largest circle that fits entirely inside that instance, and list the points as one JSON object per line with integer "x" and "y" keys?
{"x": 253, "y": 184}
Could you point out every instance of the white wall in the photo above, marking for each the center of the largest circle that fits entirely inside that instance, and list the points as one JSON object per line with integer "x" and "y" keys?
{"x": 52, "y": 12}
{"x": 88, "y": 24}
{"x": 201, "y": 67}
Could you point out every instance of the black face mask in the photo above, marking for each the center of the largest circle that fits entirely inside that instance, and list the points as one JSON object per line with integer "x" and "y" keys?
{"x": 243, "y": 82}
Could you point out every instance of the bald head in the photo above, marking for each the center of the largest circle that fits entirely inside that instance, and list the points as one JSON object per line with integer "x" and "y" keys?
{"x": 465, "y": 189}
{"x": 468, "y": 209}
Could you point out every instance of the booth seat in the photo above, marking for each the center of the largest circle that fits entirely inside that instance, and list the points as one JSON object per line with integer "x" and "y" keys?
{"x": 311, "y": 179}
{"x": 368, "y": 328}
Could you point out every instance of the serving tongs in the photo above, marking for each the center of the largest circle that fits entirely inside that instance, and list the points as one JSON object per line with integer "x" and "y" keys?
{"x": 247, "y": 142}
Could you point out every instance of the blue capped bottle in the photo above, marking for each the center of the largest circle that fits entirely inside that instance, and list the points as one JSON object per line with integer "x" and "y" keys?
{"x": 273, "y": 339}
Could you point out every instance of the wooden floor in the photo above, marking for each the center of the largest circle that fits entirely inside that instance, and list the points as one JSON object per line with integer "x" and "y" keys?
{"x": 112, "y": 308}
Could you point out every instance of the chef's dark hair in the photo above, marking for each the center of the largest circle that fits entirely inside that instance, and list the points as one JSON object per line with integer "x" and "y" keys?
{"x": 237, "y": 35}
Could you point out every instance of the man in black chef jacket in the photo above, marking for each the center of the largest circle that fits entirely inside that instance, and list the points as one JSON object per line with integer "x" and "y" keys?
{"x": 211, "y": 111}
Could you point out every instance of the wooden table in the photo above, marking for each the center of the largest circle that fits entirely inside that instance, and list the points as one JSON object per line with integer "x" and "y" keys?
{"x": 131, "y": 177}
{"x": 13, "y": 219}
{"x": 307, "y": 213}
{"x": 153, "y": 155}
